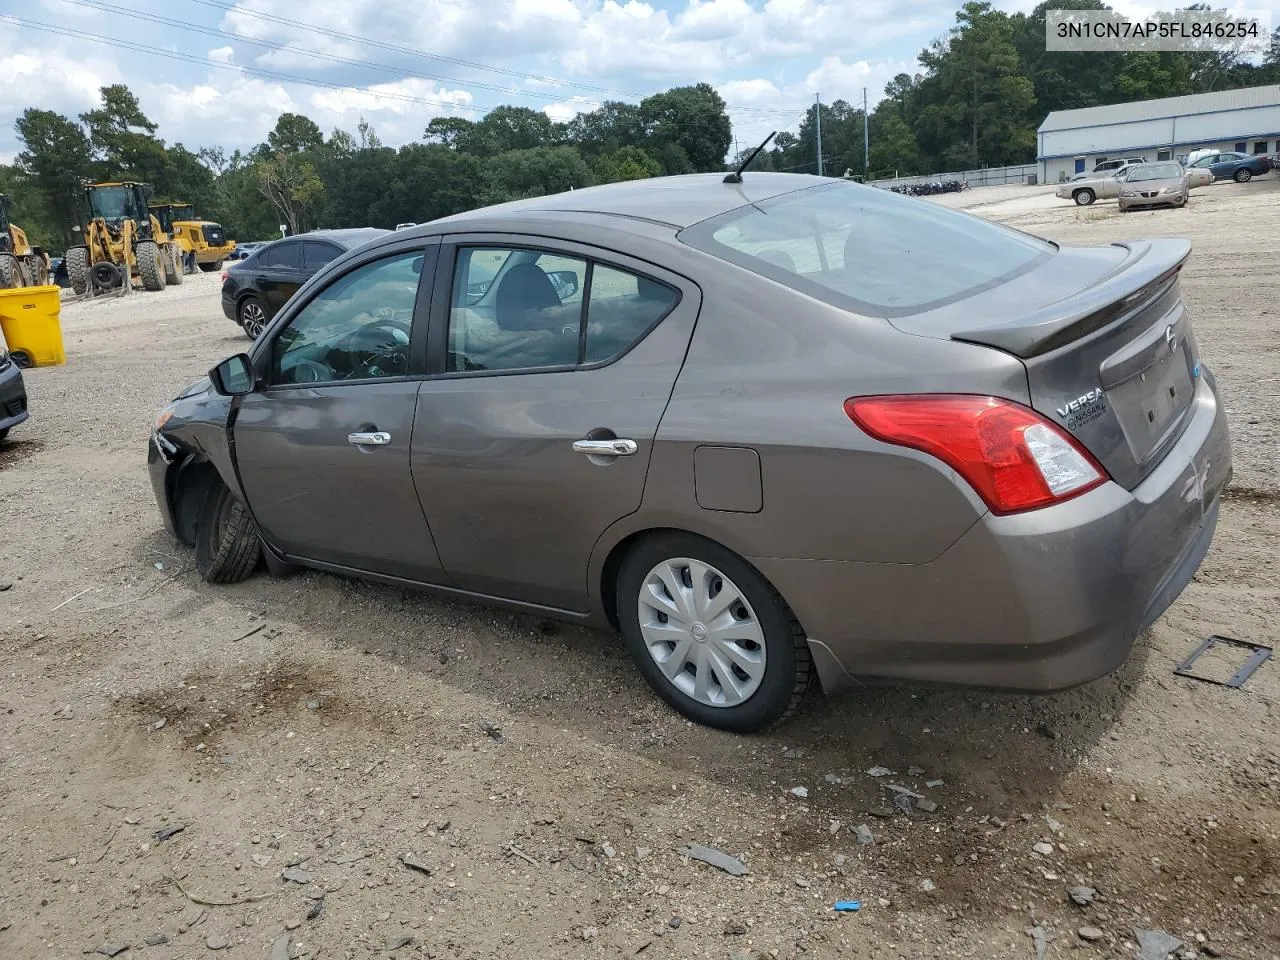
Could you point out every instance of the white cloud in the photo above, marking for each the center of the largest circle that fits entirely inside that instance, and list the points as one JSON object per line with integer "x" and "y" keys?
{"x": 566, "y": 110}
{"x": 222, "y": 54}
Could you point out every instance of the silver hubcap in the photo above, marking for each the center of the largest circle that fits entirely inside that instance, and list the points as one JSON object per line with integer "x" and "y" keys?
{"x": 701, "y": 632}
{"x": 253, "y": 319}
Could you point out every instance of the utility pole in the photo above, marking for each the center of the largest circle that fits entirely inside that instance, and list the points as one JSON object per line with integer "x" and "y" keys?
{"x": 866, "y": 137}
{"x": 817, "y": 114}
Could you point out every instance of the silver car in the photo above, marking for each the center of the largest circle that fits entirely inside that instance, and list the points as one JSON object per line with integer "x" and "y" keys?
{"x": 773, "y": 431}
{"x": 1154, "y": 185}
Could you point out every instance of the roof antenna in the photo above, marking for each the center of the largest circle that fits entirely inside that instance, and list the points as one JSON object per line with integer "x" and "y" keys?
{"x": 736, "y": 176}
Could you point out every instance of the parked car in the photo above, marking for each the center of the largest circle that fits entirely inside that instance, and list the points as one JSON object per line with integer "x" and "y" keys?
{"x": 13, "y": 394}
{"x": 260, "y": 285}
{"x": 782, "y": 427}
{"x": 1108, "y": 186}
{"x": 58, "y": 272}
{"x": 1239, "y": 167}
{"x": 242, "y": 250}
{"x": 1155, "y": 184}
{"x": 1111, "y": 166}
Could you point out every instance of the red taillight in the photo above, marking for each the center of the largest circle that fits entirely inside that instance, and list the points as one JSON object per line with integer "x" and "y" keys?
{"x": 1015, "y": 458}
{"x": 225, "y": 274}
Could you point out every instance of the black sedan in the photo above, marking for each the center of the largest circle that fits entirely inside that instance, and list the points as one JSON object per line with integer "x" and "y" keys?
{"x": 255, "y": 289}
{"x": 13, "y": 394}
{"x": 1234, "y": 166}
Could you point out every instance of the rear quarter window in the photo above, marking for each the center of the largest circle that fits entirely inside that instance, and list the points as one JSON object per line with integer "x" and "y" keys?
{"x": 869, "y": 250}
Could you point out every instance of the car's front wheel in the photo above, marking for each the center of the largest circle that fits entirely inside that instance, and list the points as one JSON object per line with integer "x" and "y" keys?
{"x": 1243, "y": 175}
{"x": 710, "y": 634}
{"x": 253, "y": 317}
{"x": 1084, "y": 197}
{"x": 227, "y": 547}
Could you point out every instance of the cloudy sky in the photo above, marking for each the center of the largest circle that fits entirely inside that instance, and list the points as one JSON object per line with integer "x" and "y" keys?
{"x": 221, "y": 71}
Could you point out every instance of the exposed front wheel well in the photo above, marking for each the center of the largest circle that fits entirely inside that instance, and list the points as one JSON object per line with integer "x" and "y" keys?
{"x": 188, "y": 487}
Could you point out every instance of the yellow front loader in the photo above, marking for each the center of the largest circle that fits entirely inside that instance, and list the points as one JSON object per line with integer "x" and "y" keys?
{"x": 21, "y": 263}
{"x": 204, "y": 238}
{"x": 122, "y": 243}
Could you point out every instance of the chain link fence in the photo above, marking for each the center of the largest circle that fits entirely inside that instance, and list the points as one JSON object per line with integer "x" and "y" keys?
{"x": 985, "y": 177}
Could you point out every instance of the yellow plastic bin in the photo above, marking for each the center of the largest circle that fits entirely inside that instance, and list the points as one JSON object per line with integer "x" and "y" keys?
{"x": 29, "y": 319}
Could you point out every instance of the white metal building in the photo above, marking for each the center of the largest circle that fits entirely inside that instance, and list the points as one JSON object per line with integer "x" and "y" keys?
{"x": 1074, "y": 141}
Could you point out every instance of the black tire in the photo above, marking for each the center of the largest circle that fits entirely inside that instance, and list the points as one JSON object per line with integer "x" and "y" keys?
{"x": 1084, "y": 197}
{"x": 252, "y": 317}
{"x": 150, "y": 266}
{"x": 227, "y": 547}
{"x": 172, "y": 258}
{"x": 77, "y": 264}
{"x": 10, "y": 274}
{"x": 209, "y": 267}
{"x": 1243, "y": 175}
{"x": 4, "y": 434}
{"x": 788, "y": 664}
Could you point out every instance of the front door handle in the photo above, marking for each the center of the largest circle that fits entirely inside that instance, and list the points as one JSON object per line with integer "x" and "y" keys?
{"x": 373, "y": 438}
{"x": 606, "y": 448}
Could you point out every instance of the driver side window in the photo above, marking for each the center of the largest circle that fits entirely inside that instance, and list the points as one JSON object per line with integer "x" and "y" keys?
{"x": 357, "y": 328}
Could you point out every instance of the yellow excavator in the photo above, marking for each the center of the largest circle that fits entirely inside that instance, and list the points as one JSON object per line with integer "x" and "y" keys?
{"x": 122, "y": 241}
{"x": 21, "y": 263}
{"x": 204, "y": 238}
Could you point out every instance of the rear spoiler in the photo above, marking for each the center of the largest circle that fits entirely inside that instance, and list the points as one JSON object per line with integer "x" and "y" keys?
{"x": 1150, "y": 267}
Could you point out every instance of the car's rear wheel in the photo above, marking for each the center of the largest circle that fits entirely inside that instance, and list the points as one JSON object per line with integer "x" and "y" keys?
{"x": 1084, "y": 197}
{"x": 710, "y": 634}
{"x": 1243, "y": 175}
{"x": 227, "y": 547}
{"x": 252, "y": 317}
{"x": 4, "y": 434}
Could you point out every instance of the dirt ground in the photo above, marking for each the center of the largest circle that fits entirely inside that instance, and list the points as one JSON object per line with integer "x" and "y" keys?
{"x": 335, "y": 731}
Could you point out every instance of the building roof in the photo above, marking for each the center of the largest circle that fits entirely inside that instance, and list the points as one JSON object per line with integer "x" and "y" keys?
{"x": 676, "y": 201}
{"x": 1139, "y": 110}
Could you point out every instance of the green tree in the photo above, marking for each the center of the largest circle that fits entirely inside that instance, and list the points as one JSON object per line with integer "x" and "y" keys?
{"x": 293, "y": 134}
{"x": 291, "y": 185}
{"x": 626, "y": 163}
{"x": 691, "y": 118}
{"x": 532, "y": 173}
{"x": 511, "y": 128}
{"x": 124, "y": 142}
{"x": 57, "y": 159}
{"x": 449, "y": 131}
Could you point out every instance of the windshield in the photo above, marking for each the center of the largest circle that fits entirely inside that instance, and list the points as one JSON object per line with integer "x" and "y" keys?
{"x": 114, "y": 203}
{"x": 1155, "y": 171}
{"x": 869, "y": 250}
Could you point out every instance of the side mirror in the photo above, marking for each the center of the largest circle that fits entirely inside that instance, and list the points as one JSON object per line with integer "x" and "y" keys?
{"x": 565, "y": 282}
{"x": 233, "y": 377}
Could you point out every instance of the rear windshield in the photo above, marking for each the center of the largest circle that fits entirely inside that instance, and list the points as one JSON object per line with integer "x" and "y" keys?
{"x": 868, "y": 250}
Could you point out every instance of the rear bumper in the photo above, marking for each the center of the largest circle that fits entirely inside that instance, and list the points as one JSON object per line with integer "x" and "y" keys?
{"x": 214, "y": 254}
{"x": 229, "y": 308}
{"x": 1039, "y": 601}
{"x": 13, "y": 397}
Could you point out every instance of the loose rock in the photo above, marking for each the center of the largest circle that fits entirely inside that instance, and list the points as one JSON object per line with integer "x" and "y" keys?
{"x": 1090, "y": 933}
{"x": 112, "y": 949}
{"x": 674, "y": 923}
{"x": 1083, "y": 896}
{"x": 413, "y": 863}
{"x": 295, "y": 875}
{"x": 157, "y": 939}
{"x": 800, "y": 792}
{"x": 1042, "y": 848}
{"x": 928, "y": 806}
{"x": 280, "y": 948}
{"x": 216, "y": 941}
{"x": 731, "y": 865}
{"x": 642, "y": 853}
{"x": 735, "y": 929}
{"x": 864, "y": 835}
{"x": 589, "y": 933}
{"x": 1155, "y": 944}
{"x": 927, "y": 885}
{"x": 879, "y": 772}
{"x": 395, "y": 943}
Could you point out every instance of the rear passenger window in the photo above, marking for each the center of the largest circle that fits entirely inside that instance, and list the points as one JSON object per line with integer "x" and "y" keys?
{"x": 316, "y": 255}
{"x": 281, "y": 255}
{"x": 623, "y": 307}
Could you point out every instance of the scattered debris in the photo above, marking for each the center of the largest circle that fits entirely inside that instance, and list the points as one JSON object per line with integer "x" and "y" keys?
{"x": 292, "y": 924}
{"x": 8, "y": 585}
{"x": 515, "y": 852}
{"x": 210, "y": 902}
{"x": 848, "y": 906}
{"x": 317, "y": 909}
{"x": 608, "y": 850}
{"x": 413, "y": 863}
{"x": 735, "y": 928}
{"x": 260, "y": 859}
{"x": 1091, "y": 934}
{"x": 931, "y": 784}
{"x": 915, "y": 771}
{"x": 1042, "y": 848}
{"x": 800, "y": 792}
{"x": 164, "y": 833}
{"x": 159, "y": 724}
{"x": 494, "y": 733}
{"x": 712, "y": 856}
{"x": 927, "y": 885}
{"x": 1083, "y": 896}
{"x": 589, "y": 933}
{"x": 904, "y": 791}
{"x": 879, "y": 772}
{"x": 1259, "y": 654}
{"x": 833, "y": 827}
{"x": 802, "y": 883}
{"x": 1054, "y": 825}
{"x": 642, "y": 853}
{"x": 832, "y": 778}
{"x": 674, "y": 923}
{"x": 215, "y": 941}
{"x": 1155, "y": 944}
{"x": 112, "y": 949}
{"x": 395, "y": 943}
{"x": 793, "y": 753}
{"x": 884, "y": 813}
{"x": 839, "y": 860}
{"x": 1040, "y": 938}
{"x": 295, "y": 875}
{"x": 313, "y": 704}
{"x": 927, "y": 806}
{"x": 280, "y": 948}
{"x": 157, "y": 939}
{"x": 246, "y": 636}
{"x": 903, "y": 803}
{"x": 865, "y": 837}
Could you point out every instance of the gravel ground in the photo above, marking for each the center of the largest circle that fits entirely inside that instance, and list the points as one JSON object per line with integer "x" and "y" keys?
{"x": 358, "y": 770}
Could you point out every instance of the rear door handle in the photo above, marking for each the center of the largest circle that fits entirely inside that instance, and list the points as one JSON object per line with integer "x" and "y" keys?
{"x": 374, "y": 438}
{"x": 606, "y": 448}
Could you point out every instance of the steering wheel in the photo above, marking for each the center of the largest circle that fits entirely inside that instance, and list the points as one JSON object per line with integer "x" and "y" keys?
{"x": 376, "y": 349}
{"x": 310, "y": 371}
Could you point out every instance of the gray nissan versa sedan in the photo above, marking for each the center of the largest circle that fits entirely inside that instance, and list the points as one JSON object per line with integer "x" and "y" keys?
{"x": 766, "y": 429}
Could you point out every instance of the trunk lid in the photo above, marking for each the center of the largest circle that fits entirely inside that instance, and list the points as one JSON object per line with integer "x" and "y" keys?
{"x": 1107, "y": 343}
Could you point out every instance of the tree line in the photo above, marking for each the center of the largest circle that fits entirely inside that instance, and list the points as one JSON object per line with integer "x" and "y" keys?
{"x": 980, "y": 93}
